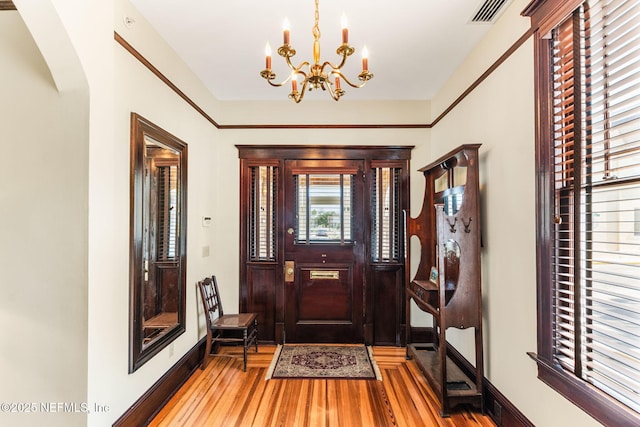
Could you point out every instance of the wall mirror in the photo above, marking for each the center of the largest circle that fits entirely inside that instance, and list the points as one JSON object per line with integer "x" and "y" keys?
{"x": 158, "y": 240}
{"x": 450, "y": 185}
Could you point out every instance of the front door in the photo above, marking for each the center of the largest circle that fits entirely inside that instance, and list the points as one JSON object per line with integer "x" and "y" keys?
{"x": 324, "y": 251}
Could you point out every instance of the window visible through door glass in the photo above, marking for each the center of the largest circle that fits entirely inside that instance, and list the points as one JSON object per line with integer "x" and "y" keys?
{"x": 324, "y": 208}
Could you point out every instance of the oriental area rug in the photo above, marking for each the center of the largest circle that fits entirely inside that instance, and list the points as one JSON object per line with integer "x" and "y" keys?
{"x": 323, "y": 362}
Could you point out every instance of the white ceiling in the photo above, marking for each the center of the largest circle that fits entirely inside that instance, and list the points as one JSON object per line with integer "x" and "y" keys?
{"x": 414, "y": 45}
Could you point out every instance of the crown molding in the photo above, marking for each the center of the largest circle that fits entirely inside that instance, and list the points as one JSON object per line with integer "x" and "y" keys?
{"x": 7, "y": 5}
{"x": 515, "y": 46}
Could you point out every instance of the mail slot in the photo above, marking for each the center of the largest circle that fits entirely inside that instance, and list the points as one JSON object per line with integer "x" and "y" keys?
{"x": 324, "y": 274}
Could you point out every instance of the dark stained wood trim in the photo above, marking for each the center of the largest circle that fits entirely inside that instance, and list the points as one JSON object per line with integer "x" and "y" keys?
{"x": 7, "y": 5}
{"x": 391, "y": 152}
{"x": 458, "y": 100}
{"x": 544, "y": 199}
{"x": 152, "y": 401}
{"x": 545, "y": 14}
{"x": 500, "y": 409}
{"x": 586, "y": 397}
{"x": 162, "y": 77}
{"x": 330, "y": 126}
{"x": 484, "y": 75}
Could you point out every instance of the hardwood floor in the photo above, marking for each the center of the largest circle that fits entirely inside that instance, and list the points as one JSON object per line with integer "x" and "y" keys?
{"x": 224, "y": 395}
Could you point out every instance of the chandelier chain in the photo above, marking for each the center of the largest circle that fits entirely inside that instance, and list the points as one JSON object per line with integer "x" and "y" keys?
{"x": 316, "y": 26}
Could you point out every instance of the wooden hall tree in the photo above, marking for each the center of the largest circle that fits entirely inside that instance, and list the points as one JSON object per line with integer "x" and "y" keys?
{"x": 447, "y": 281}
{"x": 322, "y": 243}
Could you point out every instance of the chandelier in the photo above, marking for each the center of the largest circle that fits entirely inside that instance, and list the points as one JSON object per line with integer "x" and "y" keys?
{"x": 316, "y": 76}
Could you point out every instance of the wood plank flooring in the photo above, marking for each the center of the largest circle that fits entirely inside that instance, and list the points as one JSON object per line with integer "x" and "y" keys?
{"x": 224, "y": 395}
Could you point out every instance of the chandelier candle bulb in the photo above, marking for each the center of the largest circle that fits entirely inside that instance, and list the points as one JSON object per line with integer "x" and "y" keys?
{"x": 345, "y": 30}
{"x": 294, "y": 85}
{"x": 286, "y": 31}
{"x": 365, "y": 59}
{"x": 267, "y": 53}
{"x": 338, "y": 83}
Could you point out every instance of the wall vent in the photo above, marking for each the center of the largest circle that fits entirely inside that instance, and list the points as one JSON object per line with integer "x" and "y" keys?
{"x": 488, "y": 11}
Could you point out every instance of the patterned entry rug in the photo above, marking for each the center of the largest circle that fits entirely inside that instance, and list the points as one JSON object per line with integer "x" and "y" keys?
{"x": 323, "y": 362}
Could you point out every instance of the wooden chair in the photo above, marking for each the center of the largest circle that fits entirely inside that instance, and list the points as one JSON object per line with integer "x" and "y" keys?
{"x": 238, "y": 328}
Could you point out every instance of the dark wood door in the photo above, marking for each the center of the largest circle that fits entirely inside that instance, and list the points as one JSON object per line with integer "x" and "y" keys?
{"x": 324, "y": 251}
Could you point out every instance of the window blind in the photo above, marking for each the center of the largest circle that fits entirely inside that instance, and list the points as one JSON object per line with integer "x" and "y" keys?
{"x": 596, "y": 161}
{"x": 167, "y": 212}
{"x": 385, "y": 215}
{"x": 262, "y": 213}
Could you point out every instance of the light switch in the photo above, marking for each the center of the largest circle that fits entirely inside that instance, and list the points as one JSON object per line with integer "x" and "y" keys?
{"x": 205, "y": 251}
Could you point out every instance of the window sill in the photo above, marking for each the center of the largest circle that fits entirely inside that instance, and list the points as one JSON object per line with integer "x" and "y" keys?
{"x": 601, "y": 407}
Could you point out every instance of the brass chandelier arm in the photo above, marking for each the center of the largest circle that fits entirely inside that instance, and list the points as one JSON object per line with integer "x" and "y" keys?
{"x": 299, "y": 67}
{"x": 278, "y": 84}
{"x": 347, "y": 81}
{"x": 344, "y": 51}
{"x": 297, "y": 96}
{"x": 316, "y": 76}
{"x": 335, "y": 94}
{"x": 269, "y": 76}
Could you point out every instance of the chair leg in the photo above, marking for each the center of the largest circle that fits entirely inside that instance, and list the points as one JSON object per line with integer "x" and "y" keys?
{"x": 207, "y": 354}
{"x": 255, "y": 325}
{"x": 244, "y": 335}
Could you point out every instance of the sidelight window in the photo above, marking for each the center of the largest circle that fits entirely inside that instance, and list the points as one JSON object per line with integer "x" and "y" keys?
{"x": 262, "y": 213}
{"x": 385, "y": 215}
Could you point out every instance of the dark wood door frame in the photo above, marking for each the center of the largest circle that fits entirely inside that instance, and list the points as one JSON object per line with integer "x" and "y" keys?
{"x": 262, "y": 288}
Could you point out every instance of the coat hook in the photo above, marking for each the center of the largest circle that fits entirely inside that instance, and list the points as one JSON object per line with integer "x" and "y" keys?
{"x": 467, "y": 226}
{"x": 452, "y": 227}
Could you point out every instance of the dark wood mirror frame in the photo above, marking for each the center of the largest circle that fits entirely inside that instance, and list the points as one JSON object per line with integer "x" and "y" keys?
{"x": 141, "y": 346}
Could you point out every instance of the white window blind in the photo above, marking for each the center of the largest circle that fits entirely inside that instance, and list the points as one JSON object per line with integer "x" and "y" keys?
{"x": 596, "y": 159}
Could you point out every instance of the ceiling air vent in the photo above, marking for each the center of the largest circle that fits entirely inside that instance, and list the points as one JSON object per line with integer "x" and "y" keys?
{"x": 488, "y": 11}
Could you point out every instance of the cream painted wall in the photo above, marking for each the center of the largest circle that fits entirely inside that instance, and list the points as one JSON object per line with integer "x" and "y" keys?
{"x": 324, "y": 111}
{"x": 500, "y": 115}
{"x": 138, "y": 91}
{"x": 43, "y": 229}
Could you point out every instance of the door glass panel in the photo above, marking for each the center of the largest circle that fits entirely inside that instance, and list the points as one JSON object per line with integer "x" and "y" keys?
{"x": 324, "y": 208}
{"x": 262, "y": 213}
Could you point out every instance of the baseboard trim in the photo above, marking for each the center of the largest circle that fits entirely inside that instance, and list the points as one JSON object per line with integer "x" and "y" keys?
{"x": 149, "y": 404}
{"x": 498, "y": 407}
